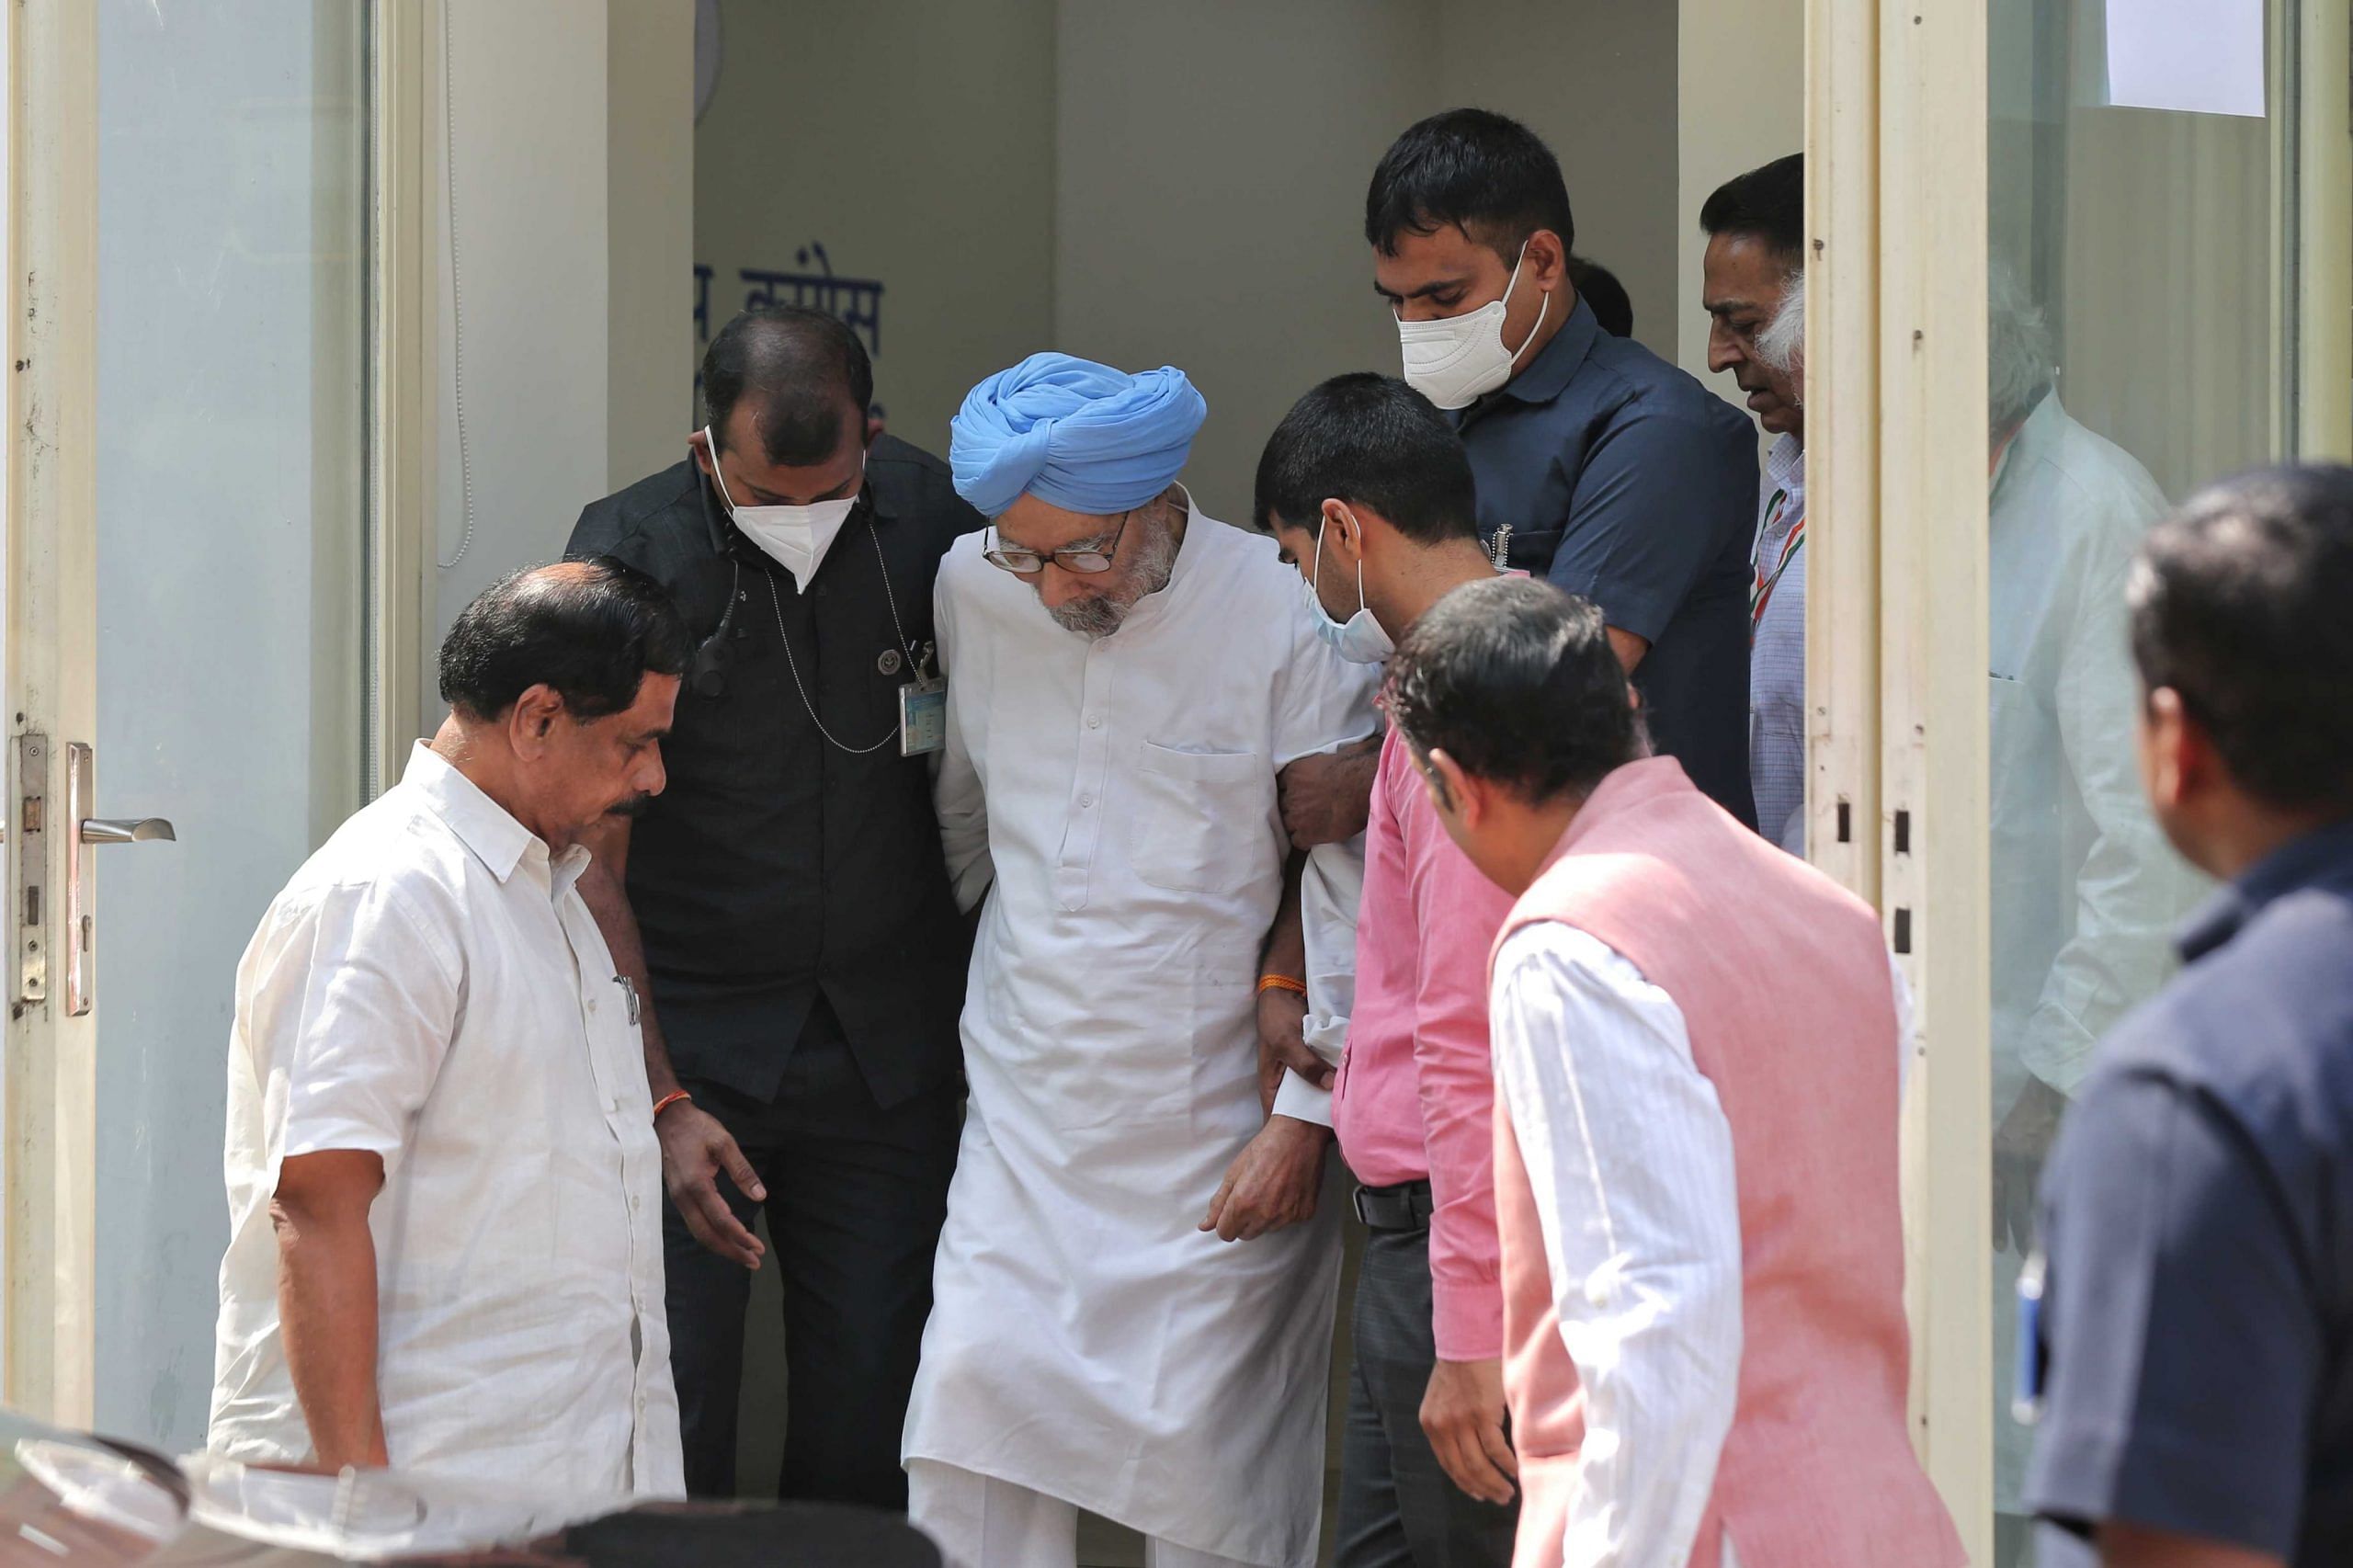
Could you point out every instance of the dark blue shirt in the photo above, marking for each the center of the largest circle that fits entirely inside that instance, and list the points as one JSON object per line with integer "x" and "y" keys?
{"x": 1624, "y": 480}
{"x": 2197, "y": 1313}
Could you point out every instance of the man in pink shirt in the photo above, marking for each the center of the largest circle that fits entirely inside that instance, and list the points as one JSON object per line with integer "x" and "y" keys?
{"x": 1366, "y": 487}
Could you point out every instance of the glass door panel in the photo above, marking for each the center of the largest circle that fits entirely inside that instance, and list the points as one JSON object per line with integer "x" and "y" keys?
{"x": 232, "y": 527}
{"x": 2140, "y": 342}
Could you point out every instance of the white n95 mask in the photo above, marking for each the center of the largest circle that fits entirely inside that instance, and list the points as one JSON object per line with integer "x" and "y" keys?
{"x": 1456, "y": 360}
{"x": 795, "y": 538}
{"x": 1360, "y": 639}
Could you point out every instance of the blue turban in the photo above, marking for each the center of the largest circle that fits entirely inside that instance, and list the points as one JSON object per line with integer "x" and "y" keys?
{"x": 1075, "y": 434}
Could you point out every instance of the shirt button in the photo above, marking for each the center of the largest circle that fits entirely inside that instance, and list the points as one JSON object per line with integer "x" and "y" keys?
{"x": 1085, "y": 801}
{"x": 1596, "y": 1291}
{"x": 1094, "y": 720}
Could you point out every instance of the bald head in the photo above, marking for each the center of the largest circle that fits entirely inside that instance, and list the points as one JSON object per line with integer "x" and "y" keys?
{"x": 590, "y": 630}
{"x": 787, "y": 386}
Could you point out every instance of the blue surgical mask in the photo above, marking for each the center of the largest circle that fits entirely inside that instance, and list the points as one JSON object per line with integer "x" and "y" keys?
{"x": 1360, "y": 639}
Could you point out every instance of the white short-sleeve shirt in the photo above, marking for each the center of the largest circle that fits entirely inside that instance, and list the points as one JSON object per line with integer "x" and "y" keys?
{"x": 430, "y": 986}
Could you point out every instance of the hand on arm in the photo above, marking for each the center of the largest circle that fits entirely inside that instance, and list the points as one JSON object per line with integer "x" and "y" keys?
{"x": 1327, "y": 798}
{"x": 696, "y": 1150}
{"x": 326, "y": 1300}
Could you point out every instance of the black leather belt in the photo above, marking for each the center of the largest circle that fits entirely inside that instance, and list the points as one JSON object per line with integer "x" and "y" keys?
{"x": 1406, "y": 1206}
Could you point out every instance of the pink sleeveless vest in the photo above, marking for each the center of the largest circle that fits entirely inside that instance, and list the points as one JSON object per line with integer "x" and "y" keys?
{"x": 1782, "y": 980}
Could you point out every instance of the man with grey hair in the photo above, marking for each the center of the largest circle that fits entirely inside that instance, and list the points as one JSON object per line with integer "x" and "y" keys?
{"x": 2085, "y": 891}
{"x": 1754, "y": 287}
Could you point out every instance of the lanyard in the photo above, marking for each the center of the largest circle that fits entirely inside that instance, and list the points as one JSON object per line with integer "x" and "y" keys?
{"x": 1761, "y": 585}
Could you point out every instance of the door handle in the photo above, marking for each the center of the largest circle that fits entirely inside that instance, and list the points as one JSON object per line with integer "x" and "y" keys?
{"x": 81, "y": 916}
{"x": 128, "y": 830}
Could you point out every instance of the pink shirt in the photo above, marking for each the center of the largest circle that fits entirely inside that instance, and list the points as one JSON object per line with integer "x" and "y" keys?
{"x": 1416, "y": 1094}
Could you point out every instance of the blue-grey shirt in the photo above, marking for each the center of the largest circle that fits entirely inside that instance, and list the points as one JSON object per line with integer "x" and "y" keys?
{"x": 1624, "y": 480}
{"x": 2197, "y": 1214}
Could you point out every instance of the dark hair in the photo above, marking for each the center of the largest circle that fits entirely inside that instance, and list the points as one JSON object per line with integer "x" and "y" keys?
{"x": 1598, "y": 287}
{"x": 1489, "y": 176}
{"x": 592, "y": 629}
{"x": 1370, "y": 440}
{"x": 1518, "y": 683}
{"x": 798, "y": 366}
{"x": 1768, "y": 204}
{"x": 2239, "y": 604}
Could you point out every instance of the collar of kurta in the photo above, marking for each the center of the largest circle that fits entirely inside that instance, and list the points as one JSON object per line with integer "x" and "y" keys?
{"x": 2322, "y": 856}
{"x": 482, "y": 825}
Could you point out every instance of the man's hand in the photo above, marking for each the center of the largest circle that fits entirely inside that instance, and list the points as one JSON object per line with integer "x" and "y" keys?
{"x": 1328, "y": 799}
{"x": 2020, "y": 1145}
{"x": 1282, "y": 1043}
{"x": 1272, "y": 1183}
{"x": 695, "y": 1149}
{"x": 1462, "y": 1412}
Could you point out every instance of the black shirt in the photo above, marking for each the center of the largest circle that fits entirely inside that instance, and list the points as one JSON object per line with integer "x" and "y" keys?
{"x": 2198, "y": 1314}
{"x": 1625, "y": 480}
{"x": 776, "y": 866}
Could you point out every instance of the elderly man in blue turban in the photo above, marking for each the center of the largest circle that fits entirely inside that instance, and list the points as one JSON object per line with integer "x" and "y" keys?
{"x": 1134, "y": 1293}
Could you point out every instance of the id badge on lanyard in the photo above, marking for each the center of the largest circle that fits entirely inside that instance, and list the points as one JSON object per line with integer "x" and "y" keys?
{"x": 923, "y": 709}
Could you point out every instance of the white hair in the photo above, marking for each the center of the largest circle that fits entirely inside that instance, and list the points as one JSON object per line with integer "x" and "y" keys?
{"x": 2018, "y": 367}
{"x": 1781, "y": 346}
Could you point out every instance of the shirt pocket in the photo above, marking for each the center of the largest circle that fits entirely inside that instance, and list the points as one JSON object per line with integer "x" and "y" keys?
{"x": 1193, "y": 812}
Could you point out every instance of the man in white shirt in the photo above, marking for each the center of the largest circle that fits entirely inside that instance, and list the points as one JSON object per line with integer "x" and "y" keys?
{"x": 445, "y": 1190}
{"x": 1127, "y": 676}
{"x": 1754, "y": 287}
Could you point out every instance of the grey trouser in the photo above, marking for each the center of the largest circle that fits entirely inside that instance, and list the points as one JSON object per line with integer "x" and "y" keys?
{"x": 1397, "y": 1506}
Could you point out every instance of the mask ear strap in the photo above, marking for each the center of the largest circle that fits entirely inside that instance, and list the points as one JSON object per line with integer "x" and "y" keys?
{"x": 711, "y": 446}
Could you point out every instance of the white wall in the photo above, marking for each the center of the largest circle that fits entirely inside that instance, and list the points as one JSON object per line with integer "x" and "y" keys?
{"x": 1741, "y": 84}
{"x": 531, "y": 271}
{"x": 650, "y": 208}
{"x": 915, "y": 141}
{"x": 1210, "y": 198}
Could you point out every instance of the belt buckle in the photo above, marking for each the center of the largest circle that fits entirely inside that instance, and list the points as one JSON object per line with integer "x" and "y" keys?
{"x": 1355, "y": 1201}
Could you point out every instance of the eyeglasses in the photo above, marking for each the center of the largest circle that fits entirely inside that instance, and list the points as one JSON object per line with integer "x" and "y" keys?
{"x": 1087, "y": 560}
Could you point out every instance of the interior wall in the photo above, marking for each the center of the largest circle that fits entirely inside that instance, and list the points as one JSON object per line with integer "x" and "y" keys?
{"x": 1740, "y": 95}
{"x": 650, "y": 204}
{"x": 531, "y": 272}
{"x": 1596, "y": 80}
{"x": 1210, "y": 198}
{"x": 915, "y": 142}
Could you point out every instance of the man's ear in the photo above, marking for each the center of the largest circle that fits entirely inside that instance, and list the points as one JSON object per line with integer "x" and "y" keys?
{"x": 1456, "y": 794}
{"x": 532, "y": 720}
{"x": 1343, "y": 531}
{"x": 873, "y": 428}
{"x": 2180, "y": 760}
{"x": 699, "y": 445}
{"x": 1548, "y": 261}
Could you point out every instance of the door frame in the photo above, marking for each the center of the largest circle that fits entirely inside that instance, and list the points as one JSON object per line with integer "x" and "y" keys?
{"x": 49, "y": 1086}
{"x": 1897, "y": 635}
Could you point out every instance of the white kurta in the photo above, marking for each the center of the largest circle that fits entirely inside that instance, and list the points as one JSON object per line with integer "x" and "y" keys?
{"x": 1087, "y": 1341}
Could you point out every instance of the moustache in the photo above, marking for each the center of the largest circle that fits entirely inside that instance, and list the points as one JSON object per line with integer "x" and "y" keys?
{"x": 635, "y": 806}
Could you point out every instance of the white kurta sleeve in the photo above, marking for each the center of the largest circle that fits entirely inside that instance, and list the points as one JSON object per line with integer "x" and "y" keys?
{"x": 1630, "y": 1156}
{"x": 1331, "y": 886}
{"x": 956, "y": 787}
